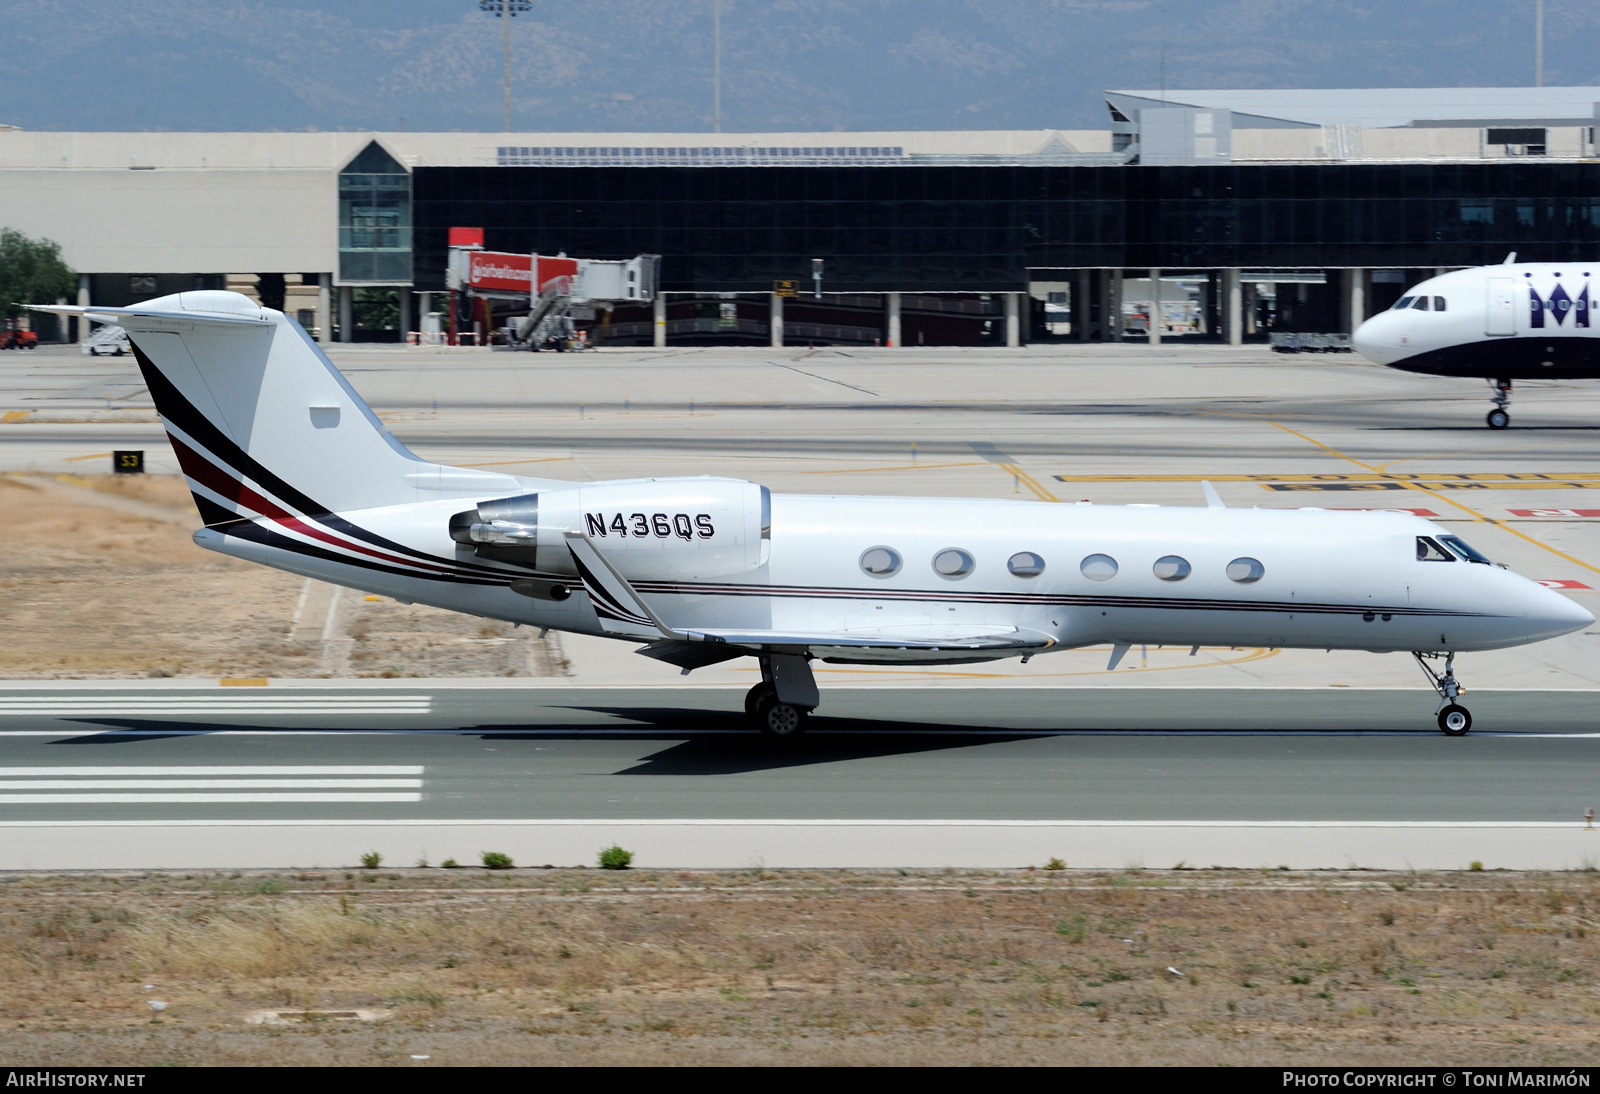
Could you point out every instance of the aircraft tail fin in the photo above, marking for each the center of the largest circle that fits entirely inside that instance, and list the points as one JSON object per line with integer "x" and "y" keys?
{"x": 262, "y": 422}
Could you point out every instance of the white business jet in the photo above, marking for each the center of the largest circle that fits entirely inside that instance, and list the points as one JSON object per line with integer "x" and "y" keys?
{"x": 290, "y": 468}
{"x": 1515, "y": 321}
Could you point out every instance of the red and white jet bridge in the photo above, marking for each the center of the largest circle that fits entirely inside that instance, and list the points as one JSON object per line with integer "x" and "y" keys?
{"x": 556, "y": 289}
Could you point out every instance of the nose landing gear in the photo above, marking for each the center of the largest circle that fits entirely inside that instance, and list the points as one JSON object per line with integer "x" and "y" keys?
{"x": 1454, "y": 720}
{"x": 1500, "y": 416}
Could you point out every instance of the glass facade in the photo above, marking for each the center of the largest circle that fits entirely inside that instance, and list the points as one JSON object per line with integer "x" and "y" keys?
{"x": 374, "y": 220}
{"x": 981, "y": 229}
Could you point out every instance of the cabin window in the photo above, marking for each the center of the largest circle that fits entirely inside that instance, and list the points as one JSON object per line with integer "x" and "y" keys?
{"x": 1459, "y": 546}
{"x": 1171, "y": 568}
{"x": 1438, "y": 303}
{"x": 1403, "y": 303}
{"x": 1245, "y": 570}
{"x": 1098, "y": 567}
{"x": 1420, "y": 304}
{"x": 880, "y": 561}
{"x": 1025, "y": 564}
{"x": 1429, "y": 551}
{"x": 953, "y": 562}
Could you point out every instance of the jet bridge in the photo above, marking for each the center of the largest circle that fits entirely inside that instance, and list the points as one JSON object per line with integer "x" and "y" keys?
{"x": 557, "y": 289}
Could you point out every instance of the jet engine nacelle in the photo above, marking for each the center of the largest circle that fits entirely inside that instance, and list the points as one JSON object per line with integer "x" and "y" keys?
{"x": 650, "y": 529}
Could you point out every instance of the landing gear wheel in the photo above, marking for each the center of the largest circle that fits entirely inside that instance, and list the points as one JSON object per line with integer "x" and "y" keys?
{"x": 1454, "y": 721}
{"x": 1498, "y": 419}
{"x": 780, "y": 719}
{"x": 753, "y": 697}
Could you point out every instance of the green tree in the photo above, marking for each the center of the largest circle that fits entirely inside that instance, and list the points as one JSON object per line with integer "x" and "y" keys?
{"x": 31, "y": 272}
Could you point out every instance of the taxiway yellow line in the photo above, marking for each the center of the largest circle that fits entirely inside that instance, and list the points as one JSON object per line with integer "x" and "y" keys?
{"x": 1421, "y": 488}
{"x": 1029, "y": 481}
{"x": 906, "y": 467}
{"x": 90, "y": 456}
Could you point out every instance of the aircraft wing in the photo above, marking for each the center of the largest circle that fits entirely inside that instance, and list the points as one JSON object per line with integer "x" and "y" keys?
{"x": 623, "y": 612}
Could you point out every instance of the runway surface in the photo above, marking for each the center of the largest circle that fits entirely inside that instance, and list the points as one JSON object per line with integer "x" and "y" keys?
{"x": 1265, "y": 766}
{"x": 312, "y": 776}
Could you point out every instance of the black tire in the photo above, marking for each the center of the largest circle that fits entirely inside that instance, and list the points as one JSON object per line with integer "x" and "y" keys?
{"x": 753, "y": 697}
{"x": 1498, "y": 419}
{"x": 1454, "y": 721}
{"x": 781, "y": 720}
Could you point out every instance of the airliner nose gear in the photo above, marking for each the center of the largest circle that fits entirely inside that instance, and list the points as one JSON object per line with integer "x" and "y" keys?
{"x": 1454, "y": 720}
{"x": 1500, "y": 416}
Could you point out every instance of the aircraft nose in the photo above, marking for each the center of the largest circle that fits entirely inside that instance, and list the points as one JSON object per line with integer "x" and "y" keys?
{"x": 1552, "y": 614}
{"x": 1376, "y": 340}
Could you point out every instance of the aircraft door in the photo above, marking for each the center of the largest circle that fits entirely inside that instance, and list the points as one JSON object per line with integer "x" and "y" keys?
{"x": 1500, "y": 314}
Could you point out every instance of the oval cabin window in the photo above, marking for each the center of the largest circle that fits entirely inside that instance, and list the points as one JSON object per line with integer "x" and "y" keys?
{"x": 1171, "y": 568}
{"x": 1245, "y": 570}
{"x": 1098, "y": 567}
{"x": 880, "y": 561}
{"x": 1025, "y": 564}
{"x": 953, "y": 562}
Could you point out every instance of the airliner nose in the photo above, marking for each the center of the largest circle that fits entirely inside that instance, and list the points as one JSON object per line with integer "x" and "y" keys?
{"x": 1551, "y": 614}
{"x": 1375, "y": 340}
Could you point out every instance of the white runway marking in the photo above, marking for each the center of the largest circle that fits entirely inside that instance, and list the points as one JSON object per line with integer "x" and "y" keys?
{"x": 181, "y": 799}
{"x": 208, "y": 784}
{"x": 68, "y": 706}
{"x": 316, "y": 769}
{"x": 130, "y": 784}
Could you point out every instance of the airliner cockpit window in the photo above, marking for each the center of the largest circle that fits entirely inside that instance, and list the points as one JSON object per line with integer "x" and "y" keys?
{"x": 1438, "y": 303}
{"x": 1403, "y": 303}
{"x": 1421, "y": 304}
{"x": 1459, "y": 546}
{"x": 1429, "y": 551}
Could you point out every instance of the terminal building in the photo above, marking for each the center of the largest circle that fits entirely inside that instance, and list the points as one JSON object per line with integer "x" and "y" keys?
{"x": 1194, "y": 213}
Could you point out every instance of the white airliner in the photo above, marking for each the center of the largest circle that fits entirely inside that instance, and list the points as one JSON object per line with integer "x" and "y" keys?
{"x": 1515, "y": 321}
{"x": 290, "y": 468}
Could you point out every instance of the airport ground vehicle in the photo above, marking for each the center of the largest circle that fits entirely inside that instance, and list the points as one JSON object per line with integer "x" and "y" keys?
{"x": 109, "y": 340}
{"x": 290, "y": 468}
{"x": 13, "y": 336}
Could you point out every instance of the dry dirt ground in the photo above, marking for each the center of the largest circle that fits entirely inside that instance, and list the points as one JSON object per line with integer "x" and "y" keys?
{"x": 532, "y": 966}
{"x": 99, "y": 579}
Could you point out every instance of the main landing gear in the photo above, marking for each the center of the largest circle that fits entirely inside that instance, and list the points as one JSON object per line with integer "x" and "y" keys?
{"x": 787, "y": 694}
{"x": 1454, "y": 719}
{"x": 1500, "y": 416}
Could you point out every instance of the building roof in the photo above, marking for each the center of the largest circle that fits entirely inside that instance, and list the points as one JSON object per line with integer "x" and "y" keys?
{"x": 1379, "y": 107}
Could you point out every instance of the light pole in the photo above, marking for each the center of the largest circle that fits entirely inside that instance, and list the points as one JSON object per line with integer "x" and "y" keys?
{"x": 716, "y": 65}
{"x": 506, "y": 10}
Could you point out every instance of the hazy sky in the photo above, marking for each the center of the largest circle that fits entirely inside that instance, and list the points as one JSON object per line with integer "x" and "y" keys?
{"x": 787, "y": 64}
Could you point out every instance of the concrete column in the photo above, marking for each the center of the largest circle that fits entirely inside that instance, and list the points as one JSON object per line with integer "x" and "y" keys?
{"x": 1232, "y": 307}
{"x": 1105, "y": 305}
{"x": 405, "y": 314}
{"x": 83, "y": 302}
{"x": 1353, "y": 299}
{"x": 1013, "y": 323}
{"x": 347, "y": 319}
{"x": 1250, "y": 300}
{"x": 661, "y": 320}
{"x": 891, "y": 306}
{"x": 775, "y": 321}
{"x": 324, "y": 308}
{"x": 1080, "y": 306}
{"x": 1203, "y": 321}
{"x": 1155, "y": 307}
{"x": 1114, "y": 306}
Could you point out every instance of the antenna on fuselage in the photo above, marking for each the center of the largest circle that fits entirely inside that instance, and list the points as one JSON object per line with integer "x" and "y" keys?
{"x": 1213, "y": 499}
{"x": 1511, "y": 259}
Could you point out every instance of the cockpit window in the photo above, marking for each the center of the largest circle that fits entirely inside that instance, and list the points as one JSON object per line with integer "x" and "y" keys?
{"x": 1403, "y": 303}
{"x": 1420, "y": 304}
{"x": 1428, "y": 550}
{"x": 1438, "y": 303}
{"x": 1459, "y": 546}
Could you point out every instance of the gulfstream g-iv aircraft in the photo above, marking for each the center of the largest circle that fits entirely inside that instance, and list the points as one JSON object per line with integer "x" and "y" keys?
{"x": 1515, "y": 321}
{"x": 290, "y": 468}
